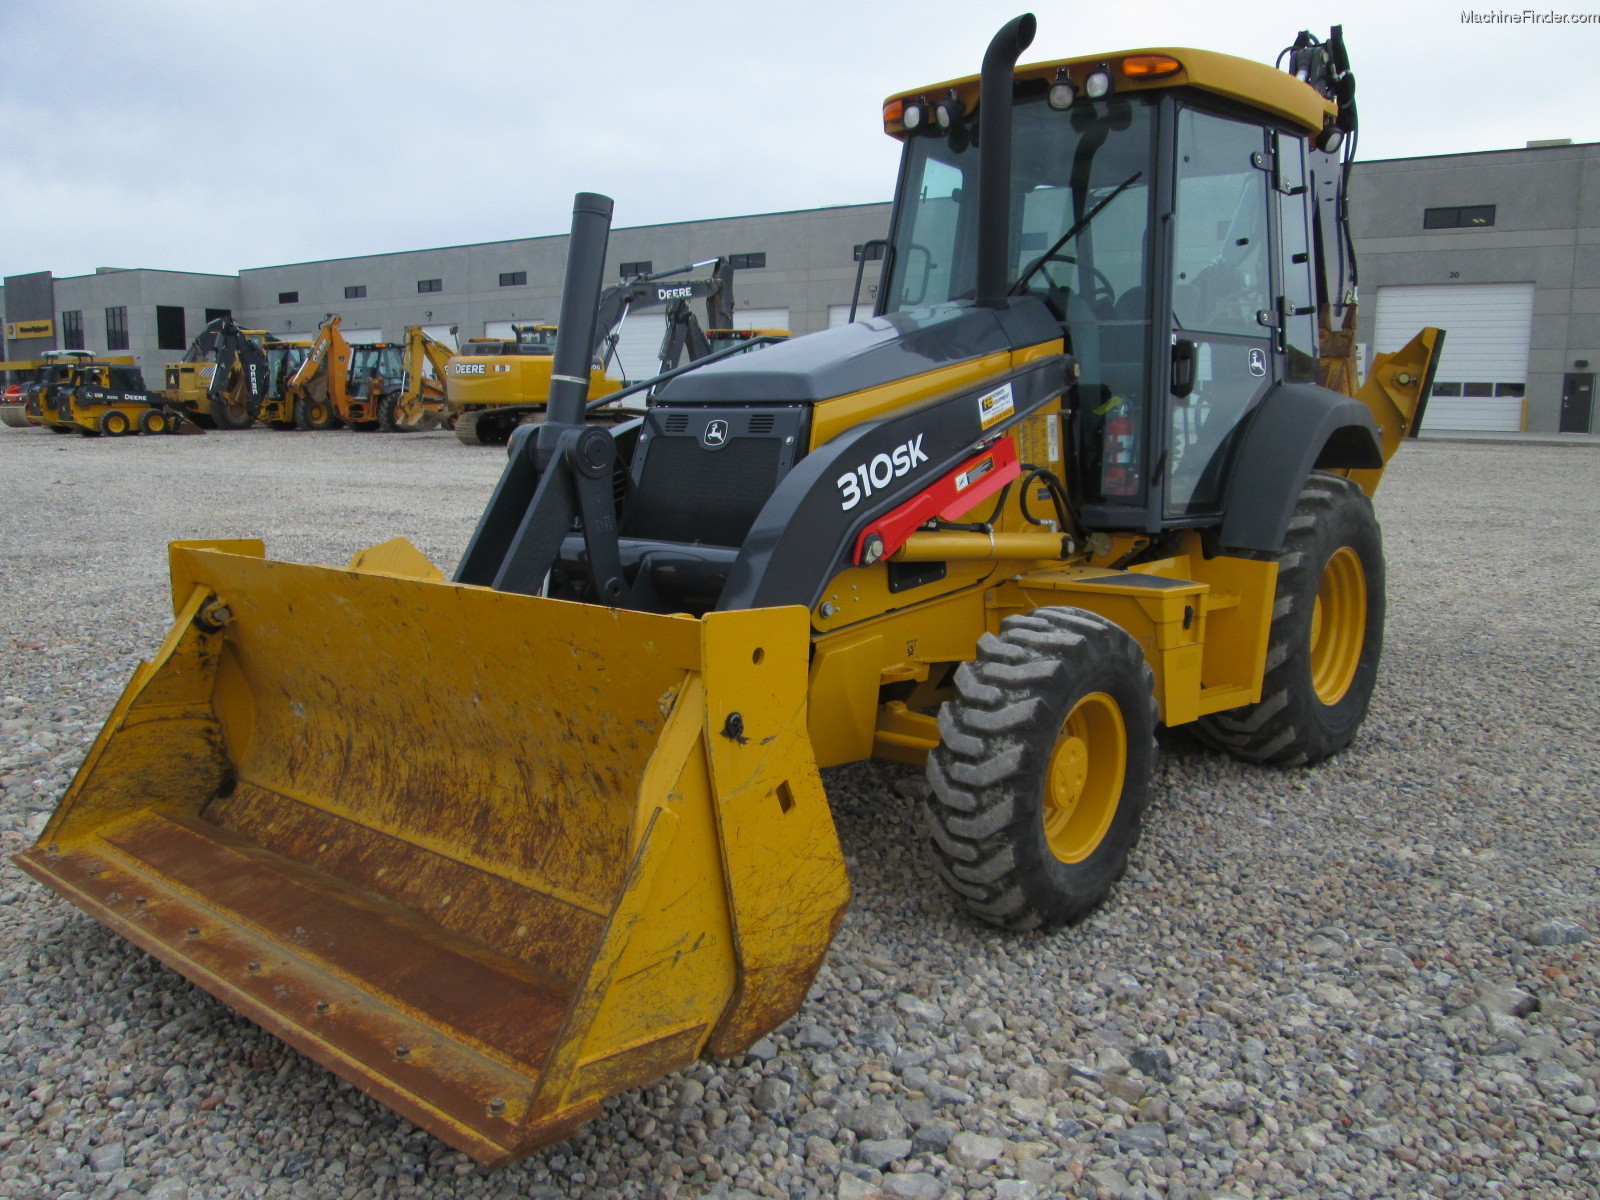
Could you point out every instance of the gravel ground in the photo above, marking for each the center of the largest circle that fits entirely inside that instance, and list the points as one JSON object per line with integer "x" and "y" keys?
{"x": 1376, "y": 977}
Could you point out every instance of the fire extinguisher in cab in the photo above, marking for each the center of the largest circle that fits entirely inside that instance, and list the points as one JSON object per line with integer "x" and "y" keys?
{"x": 1121, "y": 470}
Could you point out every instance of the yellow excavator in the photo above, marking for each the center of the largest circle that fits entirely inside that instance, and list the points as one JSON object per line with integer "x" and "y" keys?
{"x": 497, "y": 846}
{"x": 494, "y": 386}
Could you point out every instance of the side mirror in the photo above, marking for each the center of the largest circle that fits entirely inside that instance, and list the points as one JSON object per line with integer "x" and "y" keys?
{"x": 1184, "y": 355}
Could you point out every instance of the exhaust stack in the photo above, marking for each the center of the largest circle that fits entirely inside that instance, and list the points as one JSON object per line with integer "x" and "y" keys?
{"x": 580, "y": 298}
{"x": 994, "y": 159}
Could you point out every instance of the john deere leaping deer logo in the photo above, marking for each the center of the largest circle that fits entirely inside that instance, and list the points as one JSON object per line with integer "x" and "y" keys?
{"x": 716, "y": 433}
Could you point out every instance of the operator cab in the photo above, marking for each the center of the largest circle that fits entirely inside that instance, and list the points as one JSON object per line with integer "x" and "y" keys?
{"x": 1167, "y": 230}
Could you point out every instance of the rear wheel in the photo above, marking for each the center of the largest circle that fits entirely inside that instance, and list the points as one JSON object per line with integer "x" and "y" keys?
{"x": 314, "y": 414}
{"x": 153, "y": 420}
{"x": 114, "y": 423}
{"x": 1326, "y": 638}
{"x": 225, "y": 415}
{"x": 1044, "y": 769}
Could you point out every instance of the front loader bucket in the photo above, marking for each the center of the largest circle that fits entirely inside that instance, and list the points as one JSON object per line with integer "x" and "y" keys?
{"x": 490, "y": 857}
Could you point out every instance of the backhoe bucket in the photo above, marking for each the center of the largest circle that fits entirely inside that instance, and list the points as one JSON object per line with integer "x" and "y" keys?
{"x": 490, "y": 857}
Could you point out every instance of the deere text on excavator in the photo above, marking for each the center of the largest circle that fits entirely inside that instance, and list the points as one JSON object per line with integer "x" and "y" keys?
{"x": 498, "y": 846}
{"x": 491, "y": 392}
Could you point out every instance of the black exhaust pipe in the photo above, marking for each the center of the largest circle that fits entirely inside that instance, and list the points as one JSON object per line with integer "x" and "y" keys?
{"x": 994, "y": 159}
{"x": 580, "y": 298}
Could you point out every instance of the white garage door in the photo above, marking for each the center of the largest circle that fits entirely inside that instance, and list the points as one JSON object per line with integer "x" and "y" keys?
{"x": 361, "y": 336}
{"x": 639, "y": 346}
{"x": 761, "y": 318}
{"x": 499, "y": 329}
{"x": 839, "y": 314}
{"x": 1483, "y": 374}
{"x": 441, "y": 333}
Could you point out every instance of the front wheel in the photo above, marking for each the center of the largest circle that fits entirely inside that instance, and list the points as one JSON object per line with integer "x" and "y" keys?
{"x": 154, "y": 420}
{"x": 1044, "y": 769}
{"x": 1326, "y": 635}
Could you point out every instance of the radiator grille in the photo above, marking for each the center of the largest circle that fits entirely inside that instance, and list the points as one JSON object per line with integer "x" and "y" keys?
{"x": 690, "y": 494}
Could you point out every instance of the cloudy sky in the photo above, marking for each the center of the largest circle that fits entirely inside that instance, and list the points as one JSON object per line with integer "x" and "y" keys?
{"x": 231, "y": 133}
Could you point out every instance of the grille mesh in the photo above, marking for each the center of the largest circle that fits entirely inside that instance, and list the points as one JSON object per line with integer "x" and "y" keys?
{"x": 690, "y": 494}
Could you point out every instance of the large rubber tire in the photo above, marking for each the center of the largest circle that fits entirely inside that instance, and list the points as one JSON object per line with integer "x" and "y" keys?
{"x": 1044, "y": 770}
{"x": 1326, "y": 637}
{"x": 155, "y": 420}
{"x": 114, "y": 423}
{"x": 315, "y": 415}
{"x": 224, "y": 416}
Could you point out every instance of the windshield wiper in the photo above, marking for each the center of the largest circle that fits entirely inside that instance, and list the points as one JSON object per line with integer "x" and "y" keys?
{"x": 1066, "y": 237}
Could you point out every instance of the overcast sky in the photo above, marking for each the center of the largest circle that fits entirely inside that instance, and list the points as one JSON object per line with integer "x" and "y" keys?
{"x": 233, "y": 133}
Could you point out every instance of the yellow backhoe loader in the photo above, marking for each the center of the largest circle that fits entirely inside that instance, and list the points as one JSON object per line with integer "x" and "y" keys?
{"x": 221, "y": 379}
{"x": 392, "y": 386}
{"x": 497, "y": 846}
{"x": 283, "y": 360}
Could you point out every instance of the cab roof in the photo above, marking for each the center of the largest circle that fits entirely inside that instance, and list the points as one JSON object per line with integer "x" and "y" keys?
{"x": 1255, "y": 84}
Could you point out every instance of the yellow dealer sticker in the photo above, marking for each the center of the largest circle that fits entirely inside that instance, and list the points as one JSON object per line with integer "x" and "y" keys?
{"x": 30, "y": 329}
{"x": 995, "y": 406}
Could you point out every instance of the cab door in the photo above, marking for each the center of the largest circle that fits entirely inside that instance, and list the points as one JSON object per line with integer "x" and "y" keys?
{"x": 1223, "y": 336}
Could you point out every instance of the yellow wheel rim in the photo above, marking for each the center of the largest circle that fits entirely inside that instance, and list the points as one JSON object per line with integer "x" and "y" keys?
{"x": 116, "y": 424}
{"x": 319, "y": 414}
{"x": 1083, "y": 784}
{"x": 1338, "y": 625}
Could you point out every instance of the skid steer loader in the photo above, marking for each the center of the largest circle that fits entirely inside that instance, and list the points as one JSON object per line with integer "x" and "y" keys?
{"x": 498, "y": 846}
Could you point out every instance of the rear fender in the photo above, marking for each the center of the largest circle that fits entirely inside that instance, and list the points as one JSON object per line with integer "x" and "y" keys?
{"x": 1298, "y": 428}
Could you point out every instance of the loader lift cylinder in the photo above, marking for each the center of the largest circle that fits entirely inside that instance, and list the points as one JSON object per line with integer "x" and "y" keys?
{"x": 994, "y": 149}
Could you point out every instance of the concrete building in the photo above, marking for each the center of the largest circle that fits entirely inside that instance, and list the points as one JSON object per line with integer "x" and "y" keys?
{"x": 1501, "y": 248}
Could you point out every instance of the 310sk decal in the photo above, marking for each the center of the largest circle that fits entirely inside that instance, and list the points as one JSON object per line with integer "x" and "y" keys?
{"x": 881, "y": 470}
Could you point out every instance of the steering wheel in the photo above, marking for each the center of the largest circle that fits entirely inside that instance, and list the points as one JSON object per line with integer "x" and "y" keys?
{"x": 1101, "y": 290}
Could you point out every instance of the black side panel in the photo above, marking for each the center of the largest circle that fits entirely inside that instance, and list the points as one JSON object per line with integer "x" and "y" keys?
{"x": 870, "y": 353}
{"x": 1298, "y": 427}
{"x": 807, "y": 531}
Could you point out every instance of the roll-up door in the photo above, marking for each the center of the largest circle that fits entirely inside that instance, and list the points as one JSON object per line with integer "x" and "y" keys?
{"x": 1483, "y": 375}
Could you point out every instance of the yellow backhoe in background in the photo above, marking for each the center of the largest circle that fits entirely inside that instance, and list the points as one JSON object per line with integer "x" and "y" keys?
{"x": 222, "y": 378}
{"x": 498, "y": 846}
{"x": 392, "y": 386}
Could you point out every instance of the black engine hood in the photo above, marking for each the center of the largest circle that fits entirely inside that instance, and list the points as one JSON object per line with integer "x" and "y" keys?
{"x": 869, "y": 353}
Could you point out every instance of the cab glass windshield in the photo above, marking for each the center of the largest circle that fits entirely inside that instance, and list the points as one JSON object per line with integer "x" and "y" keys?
{"x": 1080, "y": 239}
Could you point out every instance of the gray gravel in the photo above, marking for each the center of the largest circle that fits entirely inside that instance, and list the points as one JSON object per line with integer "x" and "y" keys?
{"x": 1372, "y": 978}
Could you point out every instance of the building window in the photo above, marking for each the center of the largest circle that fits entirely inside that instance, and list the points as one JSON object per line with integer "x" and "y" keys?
{"x": 169, "y": 328}
{"x": 1476, "y": 216}
{"x": 1446, "y": 389}
{"x": 1519, "y": 390}
{"x": 72, "y": 330}
{"x": 747, "y": 262}
{"x": 513, "y": 278}
{"x": 288, "y": 297}
{"x": 357, "y": 292}
{"x": 874, "y": 252}
{"x": 643, "y": 267}
{"x": 430, "y": 285}
{"x": 117, "y": 328}
{"x": 216, "y": 314}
